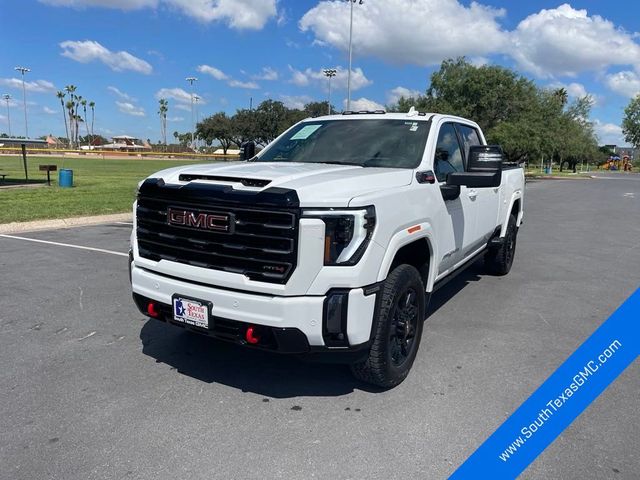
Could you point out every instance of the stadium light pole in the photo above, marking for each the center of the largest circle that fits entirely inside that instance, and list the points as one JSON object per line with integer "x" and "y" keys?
{"x": 329, "y": 73}
{"x": 352, "y": 2}
{"x": 24, "y": 70}
{"x": 191, "y": 80}
{"x": 6, "y": 97}
{"x": 196, "y": 99}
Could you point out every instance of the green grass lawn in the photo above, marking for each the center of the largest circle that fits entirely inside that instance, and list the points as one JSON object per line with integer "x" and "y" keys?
{"x": 100, "y": 187}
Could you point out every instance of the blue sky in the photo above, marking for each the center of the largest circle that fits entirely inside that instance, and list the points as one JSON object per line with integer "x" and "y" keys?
{"x": 125, "y": 54}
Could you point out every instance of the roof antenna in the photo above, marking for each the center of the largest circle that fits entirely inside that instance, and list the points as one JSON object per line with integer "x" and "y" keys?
{"x": 412, "y": 112}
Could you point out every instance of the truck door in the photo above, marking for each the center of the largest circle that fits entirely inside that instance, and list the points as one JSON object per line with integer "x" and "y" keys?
{"x": 457, "y": 220}
{"x": 487, "y": 200}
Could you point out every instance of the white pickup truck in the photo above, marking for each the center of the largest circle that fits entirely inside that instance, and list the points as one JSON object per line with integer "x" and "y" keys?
{"x": 330, "y": 241}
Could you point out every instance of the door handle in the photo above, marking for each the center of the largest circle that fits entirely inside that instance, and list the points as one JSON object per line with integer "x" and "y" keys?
{"x": 472, "y": 194}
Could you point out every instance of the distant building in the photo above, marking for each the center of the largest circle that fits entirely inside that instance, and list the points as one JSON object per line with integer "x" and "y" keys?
{"x": 125, "y": 143}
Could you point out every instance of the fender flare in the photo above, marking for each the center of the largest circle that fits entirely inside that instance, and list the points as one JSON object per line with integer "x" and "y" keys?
{"x": 517, "y": 195}
{"x": 403, "y": 238}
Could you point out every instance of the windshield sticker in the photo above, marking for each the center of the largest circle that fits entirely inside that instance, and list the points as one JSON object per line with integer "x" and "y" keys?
{"x": 414, "y": 127}
{"x": 305, "y": 132}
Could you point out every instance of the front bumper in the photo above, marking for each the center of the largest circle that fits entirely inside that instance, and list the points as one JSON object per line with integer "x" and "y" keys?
{"x": 289, "y": 324}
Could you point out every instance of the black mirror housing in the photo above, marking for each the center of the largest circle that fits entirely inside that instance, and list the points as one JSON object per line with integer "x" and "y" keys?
{"x": 475, "y": 179}
{"x": 247, "y": 150}
{"x": 485, "y": 158}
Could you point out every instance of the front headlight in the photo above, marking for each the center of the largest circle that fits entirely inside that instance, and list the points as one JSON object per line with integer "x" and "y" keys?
{"x": 347, "y": 233}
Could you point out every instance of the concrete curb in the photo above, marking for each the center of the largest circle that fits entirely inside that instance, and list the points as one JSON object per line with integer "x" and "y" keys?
{"x": 19, "y": 227}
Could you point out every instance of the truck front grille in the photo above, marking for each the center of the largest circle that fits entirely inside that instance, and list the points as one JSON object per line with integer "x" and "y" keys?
{"x": 260, "y": 243}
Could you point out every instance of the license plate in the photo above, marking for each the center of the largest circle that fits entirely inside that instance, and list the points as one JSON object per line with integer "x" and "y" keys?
{"x": 192, "y": 312}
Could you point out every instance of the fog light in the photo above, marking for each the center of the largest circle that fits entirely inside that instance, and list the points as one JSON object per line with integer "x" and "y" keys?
{"x": 335, "y": 319}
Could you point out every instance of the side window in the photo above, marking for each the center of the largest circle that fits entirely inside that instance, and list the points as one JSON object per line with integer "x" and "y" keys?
{"x": 469, "y": 137}
{"x": 448, "y": 157}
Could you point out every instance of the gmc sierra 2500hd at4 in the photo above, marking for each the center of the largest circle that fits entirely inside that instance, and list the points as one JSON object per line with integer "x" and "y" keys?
{"x": 330, "y": 241}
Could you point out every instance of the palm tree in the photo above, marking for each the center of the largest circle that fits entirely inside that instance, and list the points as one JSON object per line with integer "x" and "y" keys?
{"x": 70, "y": 89}
{"x": 92, "y": 106}
{"x": 60, "y": 95}
{"x": 164, "y": 108}
{"x": 562, "y": 95}
{"x": 86, "y": 125}
{"x": 77, "y": 118}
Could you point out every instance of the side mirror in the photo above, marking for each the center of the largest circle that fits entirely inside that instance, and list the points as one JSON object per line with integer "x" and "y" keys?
{"x": 484, "y": 168}
{"x": 247, "y": 150}
{"x": 485, "y": 158}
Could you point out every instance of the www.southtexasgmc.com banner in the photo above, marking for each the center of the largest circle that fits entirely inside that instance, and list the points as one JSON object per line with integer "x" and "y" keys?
{"x": 560, "y": 399}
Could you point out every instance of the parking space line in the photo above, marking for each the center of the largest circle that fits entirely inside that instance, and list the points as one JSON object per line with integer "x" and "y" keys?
{"x": 124, "y": 223}
{"x": 81, "y": 247}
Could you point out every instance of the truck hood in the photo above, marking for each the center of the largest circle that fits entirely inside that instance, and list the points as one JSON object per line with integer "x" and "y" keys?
{"x": 317, "y": 184}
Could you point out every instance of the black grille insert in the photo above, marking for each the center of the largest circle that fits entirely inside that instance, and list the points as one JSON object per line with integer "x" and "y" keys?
{"x": 262, "y": 243}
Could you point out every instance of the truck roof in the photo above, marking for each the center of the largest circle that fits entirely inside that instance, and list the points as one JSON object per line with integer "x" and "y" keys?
{"x": 412, "y": 115}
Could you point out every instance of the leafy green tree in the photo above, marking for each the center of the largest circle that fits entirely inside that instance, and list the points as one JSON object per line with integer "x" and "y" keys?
{"x": 244, "y": 126}
{"x": 631, "y": 122}
{"x": 216, "y": 127}
{"x": 272, "y": 118}
{"x": 318, "y": 109}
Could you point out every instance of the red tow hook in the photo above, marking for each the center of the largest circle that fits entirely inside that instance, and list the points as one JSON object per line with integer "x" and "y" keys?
{"x": 250, "y": 335}
{"x": 152, "y": 310}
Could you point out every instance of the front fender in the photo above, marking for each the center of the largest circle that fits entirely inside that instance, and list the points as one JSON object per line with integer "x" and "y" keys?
{"x": 405, "y": 237}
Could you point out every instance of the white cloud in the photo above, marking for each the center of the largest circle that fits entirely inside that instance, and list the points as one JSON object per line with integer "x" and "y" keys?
{"x": 213, "y": 71}
{"x": 181, "y": 97}
{"x": 403, "y": 31}
{"x": 121, "y": 94}
{"x": 625, "y": 83}
{"x": 48, "y": 110}
{"x": 267, "y": 73}
{"x": 363, "y": 104}
{"x": 238, "y": 14}
{"x": 566, "y": 41}
{"x": 296, "y": 101}
{"x": 608, "y": 133}
{"x": 36, "y": 86}
{"x": 175, "y": 119}
{"x": 394, "y": 95}
{"x": 339, "y": 82}
{"x": 88, "y": 51}
{"x": 130, "y": 109}
{"x": 239, "y": 84}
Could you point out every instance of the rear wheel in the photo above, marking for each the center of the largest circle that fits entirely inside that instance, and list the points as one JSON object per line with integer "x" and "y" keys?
{"x": 499, "y": 260}
{"x": 398, "y": 329}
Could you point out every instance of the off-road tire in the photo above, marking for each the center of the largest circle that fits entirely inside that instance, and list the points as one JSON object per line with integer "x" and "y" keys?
{"x": 381, "y": 368}
{"x": 498, "y": 260}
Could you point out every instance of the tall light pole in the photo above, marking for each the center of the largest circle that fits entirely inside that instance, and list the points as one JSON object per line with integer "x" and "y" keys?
{"x": 24, "y": 70}
{"x": 330, "y": 73}
{"x": 360, "y": 2}
{"x": 6, "y": 97}
{"x": 191, "y": 80}
{"x": 196, "y": 99}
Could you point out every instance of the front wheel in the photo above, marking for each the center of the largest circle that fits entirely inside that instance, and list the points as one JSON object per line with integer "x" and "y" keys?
{"x": 398, "y": 329}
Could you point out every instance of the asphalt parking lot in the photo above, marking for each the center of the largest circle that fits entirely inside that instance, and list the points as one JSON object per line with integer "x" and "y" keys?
{"x": 91, "y": 389}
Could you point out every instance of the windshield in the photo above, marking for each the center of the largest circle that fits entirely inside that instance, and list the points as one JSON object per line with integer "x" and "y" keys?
{"x": 366, "y": 143}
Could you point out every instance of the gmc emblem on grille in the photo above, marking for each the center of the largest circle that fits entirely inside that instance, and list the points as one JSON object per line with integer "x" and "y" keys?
{"x": 219, "y": 222}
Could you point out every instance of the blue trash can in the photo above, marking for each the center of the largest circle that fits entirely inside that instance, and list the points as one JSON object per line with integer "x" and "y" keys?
{"x": 547, "y": 170}
{"x": 65, "y": 178}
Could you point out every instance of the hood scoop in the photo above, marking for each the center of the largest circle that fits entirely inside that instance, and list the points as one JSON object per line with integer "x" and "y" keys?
{"x": 247, "y": 182}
